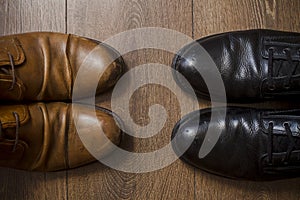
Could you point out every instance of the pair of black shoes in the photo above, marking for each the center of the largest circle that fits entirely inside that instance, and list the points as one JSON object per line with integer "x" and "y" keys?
{"x": 247, "y": 143}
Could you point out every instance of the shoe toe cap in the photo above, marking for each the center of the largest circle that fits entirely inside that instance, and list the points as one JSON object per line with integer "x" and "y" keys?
{"x": 187, "y": 135}
{"x": 92, "y": 142}
{"x": 96, "y": 66}
{"x": 202, "y": 70}
{"x": 213, "y": 162}
{"x": 187, "y": 64}
{"x": 232, "y": 151}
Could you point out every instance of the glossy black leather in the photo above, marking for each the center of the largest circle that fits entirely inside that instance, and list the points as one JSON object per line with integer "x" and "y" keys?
{"x": 243, "y": 59}
{"x": 253, "y": 144}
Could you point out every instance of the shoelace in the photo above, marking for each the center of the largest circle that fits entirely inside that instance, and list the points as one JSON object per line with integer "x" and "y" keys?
{"x": 16, "y": 115}
{"x": 293, "y": 65}
{"x": 291, "y": 146}
{"x": 12, "y": 65}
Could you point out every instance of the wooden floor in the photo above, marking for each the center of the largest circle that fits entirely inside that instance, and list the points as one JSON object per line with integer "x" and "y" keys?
{"x": 100, "y": 19}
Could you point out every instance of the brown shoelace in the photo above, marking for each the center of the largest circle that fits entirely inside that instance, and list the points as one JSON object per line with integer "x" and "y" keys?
{"x": 12, "y": 65}
{"x": 16, "y": 115}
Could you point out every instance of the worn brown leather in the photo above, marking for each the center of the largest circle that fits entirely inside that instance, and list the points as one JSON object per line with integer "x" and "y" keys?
{"x": 44, "y": 66}
{"x": 43, "y": 136}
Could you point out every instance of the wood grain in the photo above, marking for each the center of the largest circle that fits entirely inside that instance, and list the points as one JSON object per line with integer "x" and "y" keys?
{"x": 26, "y": 16}
{"x": 213, "y": 16}
{"x": 101, "y": 19}
{"x": 117, "y": 16}
{"x": 31, "y": 15}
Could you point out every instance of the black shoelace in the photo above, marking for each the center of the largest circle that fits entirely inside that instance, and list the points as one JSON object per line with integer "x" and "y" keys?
{"x": 12, "y": 65}
{"x": 16, "y": 115}
{"x": 292, "y": 64}
{"x": 290, "y": 148}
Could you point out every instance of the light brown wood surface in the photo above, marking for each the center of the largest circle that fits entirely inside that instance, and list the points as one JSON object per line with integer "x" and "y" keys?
{"x": 101, "y": 19}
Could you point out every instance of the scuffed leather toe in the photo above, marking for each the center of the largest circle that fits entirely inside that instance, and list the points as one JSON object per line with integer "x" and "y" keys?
{"x": 185, "y": 63}
{"x": 253, "y": 144}
{"x": 55, "y": 136}
{"x": 254, "y": 64}
{"x": 187, "y": 133}
{"x": 228, "y": 156}
{"x": 44, "y": 66}
{"x": 87, "y": 139}
{"x": 101, "y": 63}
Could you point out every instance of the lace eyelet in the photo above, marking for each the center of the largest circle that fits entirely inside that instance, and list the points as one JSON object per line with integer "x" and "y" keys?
{"x": 286, "y": 86}
{"x": 286, "y": 124}
{"x": 271, "y": 49}
{"x": 271, "y": 87}
{"x": 285, "y": 50}
{"x": 271, "y": 123}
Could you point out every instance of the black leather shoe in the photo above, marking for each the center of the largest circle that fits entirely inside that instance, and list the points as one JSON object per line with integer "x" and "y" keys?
{"x": 254, "y": 64}
{"x": 253, "y": 145}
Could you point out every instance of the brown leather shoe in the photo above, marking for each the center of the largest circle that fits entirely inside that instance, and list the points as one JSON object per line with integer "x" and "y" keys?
{"x": 43, "y": 66}
{"x": 43, "y": 137}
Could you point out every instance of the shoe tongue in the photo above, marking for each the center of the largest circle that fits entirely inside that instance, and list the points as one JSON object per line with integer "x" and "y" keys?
{"x": 7, "y": 117}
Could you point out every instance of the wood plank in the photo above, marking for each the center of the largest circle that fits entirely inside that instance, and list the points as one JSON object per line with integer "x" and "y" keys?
{"x": 282, "y": 15}
{"x": 27, "y": 16}
{"x": 31, "y": 15}
{"x": 101, "y": 20}
{"x": 213, "y": 16}
{"x": 213, "y": 187}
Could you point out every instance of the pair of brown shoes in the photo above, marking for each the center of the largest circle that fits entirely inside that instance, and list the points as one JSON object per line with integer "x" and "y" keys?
{"x": 37, "y": 73}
